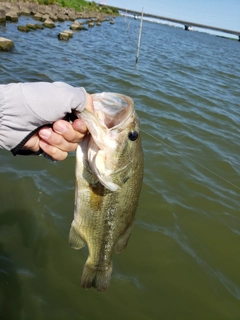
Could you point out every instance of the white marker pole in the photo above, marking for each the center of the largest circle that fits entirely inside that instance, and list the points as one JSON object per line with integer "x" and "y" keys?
{"x": 139, "y": 38}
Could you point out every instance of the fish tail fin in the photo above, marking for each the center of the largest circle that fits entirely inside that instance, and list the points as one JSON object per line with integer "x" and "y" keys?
{"x": 93, "y": 277}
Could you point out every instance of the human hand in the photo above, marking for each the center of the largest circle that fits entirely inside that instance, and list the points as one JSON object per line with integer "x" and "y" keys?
{"x": 29, "y": 106}
{"x": 61, "y": 138}
{"x": 57, "y": 141}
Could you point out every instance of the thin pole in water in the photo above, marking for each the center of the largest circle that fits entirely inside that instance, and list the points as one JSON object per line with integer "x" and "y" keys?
{"x": 139, "y": 38}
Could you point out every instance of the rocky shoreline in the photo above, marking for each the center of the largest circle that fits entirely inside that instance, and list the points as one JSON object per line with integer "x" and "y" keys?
{"x": 48, "y": 15}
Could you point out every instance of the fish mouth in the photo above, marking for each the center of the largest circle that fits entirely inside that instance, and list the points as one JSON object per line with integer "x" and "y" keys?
{"x": 112, "y": 109}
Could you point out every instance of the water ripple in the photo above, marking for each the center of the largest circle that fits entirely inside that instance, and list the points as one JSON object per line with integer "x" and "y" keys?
{"x": 176, "y": 234}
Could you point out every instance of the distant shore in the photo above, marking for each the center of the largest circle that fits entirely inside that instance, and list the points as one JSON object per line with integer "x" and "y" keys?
{"x": 10, "y": 11}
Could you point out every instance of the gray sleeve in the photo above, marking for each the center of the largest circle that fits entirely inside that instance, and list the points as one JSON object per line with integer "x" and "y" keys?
{"x": 25, "y": 107}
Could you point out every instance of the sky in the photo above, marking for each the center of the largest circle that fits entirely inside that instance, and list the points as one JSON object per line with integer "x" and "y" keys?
{"x": 218, "y": 13}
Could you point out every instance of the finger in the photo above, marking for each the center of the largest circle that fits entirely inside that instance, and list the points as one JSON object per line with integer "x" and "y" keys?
{"x": 56, "y": 140}
{"x": 33, "y": 143}
{"x": 52, "y": 151}
{"x": 80, "y": 126}
{"x": 70, "y": 132}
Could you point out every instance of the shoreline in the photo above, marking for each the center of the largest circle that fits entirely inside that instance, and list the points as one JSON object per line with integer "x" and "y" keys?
{"x": 48, "y": 15}
{"x": 31, "y": 8}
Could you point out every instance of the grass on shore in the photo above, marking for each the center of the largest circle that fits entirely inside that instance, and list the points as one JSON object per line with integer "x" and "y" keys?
{"x": 80, "y": 5}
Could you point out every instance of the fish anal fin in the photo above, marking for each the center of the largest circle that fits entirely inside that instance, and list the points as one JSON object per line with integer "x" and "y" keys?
{"x": 123, "y": 240}
{"x": 75, "y": 241}
{"x": 97, "y": 278}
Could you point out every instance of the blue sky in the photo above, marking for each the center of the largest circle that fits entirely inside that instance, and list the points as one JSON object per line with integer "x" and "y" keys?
{"x": 219, "y": 13}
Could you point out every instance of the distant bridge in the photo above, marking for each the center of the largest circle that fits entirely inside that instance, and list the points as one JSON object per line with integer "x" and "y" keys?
{"x": 187, "y": 24}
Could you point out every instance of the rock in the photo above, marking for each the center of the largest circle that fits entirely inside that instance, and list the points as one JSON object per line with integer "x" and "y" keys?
{"x": 23, "y": 28}
{"x": 63, "y": 36}
{"x": 69, "y": 32}
{"x": 91, "y": 24}
{"x": 55, "y": 10}
{"x": 49, "y": 23}
{"x": 45, "y": 17}
{"x": 33, "y": 7}
{"x": 42, "y": 9}
{"x": 12, "y": 16}
{"x": 25, "y": 11}
{"x": 38, "y": 16}
{"x": 31, "y": 26}
{"x": 14, "y": 7}
{"x": 112, "y": 22}
{"x": 39, "y": 26}
{"x": 72, "y": 16}
{"x": 2, "y": 15}
{"x": 62, "y": 17}
{"x": 6, "y": 44}
{"x": 53, "y": 17}
{"x": 76, "y": 25}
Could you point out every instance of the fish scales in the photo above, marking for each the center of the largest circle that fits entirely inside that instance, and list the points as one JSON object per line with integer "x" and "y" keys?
{"x": 104, "y": 211}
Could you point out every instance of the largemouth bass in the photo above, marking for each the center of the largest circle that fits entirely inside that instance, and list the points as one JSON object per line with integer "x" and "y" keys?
{"x": 109, "y": 173}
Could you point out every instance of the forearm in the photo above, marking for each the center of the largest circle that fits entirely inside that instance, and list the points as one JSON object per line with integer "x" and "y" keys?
{"x": 24, "y": 107}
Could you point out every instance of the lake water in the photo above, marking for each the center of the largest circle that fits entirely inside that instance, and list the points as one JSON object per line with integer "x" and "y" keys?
{"x": 183, "y": 258}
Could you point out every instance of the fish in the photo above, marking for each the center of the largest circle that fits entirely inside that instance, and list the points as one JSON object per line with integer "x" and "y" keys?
{"x": 108, "y": 180}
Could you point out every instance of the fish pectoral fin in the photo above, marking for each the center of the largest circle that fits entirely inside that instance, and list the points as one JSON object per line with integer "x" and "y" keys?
{"x": 102, "y": 173}
{"x": 107, "y": 183}
{"x": 75, "y": 241}
{"x": 123, "y": 240}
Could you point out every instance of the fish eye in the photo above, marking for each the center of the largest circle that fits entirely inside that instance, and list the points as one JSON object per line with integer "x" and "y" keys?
{"x": 133, "y": 135}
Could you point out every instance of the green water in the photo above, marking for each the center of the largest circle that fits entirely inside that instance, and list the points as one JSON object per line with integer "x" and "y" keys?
{"x": 183, "y": 258}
